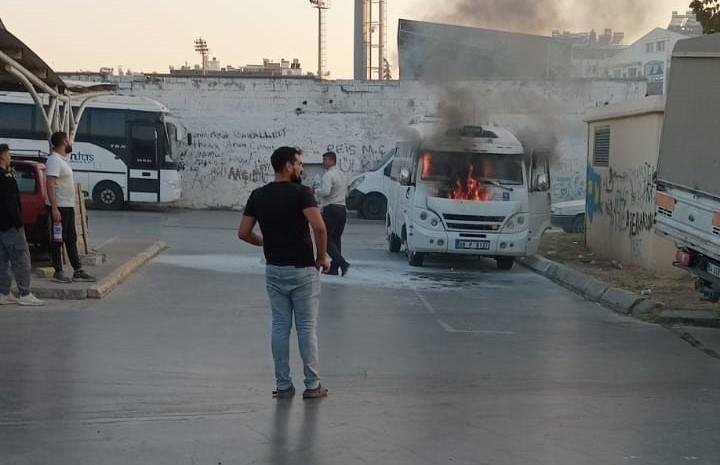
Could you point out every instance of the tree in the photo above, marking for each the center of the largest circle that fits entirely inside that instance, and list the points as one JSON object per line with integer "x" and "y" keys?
{"x": 708, "y": 14}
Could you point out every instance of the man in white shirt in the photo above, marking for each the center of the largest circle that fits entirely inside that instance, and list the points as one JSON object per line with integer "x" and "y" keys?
{"x": 332, "y": 194}
{"x": 61, "y": 200}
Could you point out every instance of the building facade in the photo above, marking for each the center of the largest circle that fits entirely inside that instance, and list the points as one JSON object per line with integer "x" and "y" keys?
{"x": 623, "y": 150}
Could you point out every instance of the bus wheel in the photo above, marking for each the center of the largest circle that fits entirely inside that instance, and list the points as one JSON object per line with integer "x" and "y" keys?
{"x": 107, "y": 195}
{"x": 394, "y": 243}
{"x": 374, "y": 207}
{"x": 505, "y": 263}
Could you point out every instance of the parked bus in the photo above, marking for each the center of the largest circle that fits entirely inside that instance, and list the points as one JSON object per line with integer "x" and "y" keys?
{"x": 126, "y": 149}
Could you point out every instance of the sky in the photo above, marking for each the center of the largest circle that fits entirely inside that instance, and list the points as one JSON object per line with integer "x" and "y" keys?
{"x": 149, "y": 36}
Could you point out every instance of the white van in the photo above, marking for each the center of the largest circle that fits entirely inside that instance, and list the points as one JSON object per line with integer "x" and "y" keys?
{"x": 469, "y": 191}
{"x": 368, "y": 192}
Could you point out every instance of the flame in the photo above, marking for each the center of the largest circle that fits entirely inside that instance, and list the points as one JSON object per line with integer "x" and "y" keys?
{"x": 426, "y": 166}
{"x": 470, "y": 189}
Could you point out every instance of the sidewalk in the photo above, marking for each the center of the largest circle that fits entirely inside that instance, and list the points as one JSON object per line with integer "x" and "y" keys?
{"x": 123, "y": 257}
{"x": 666, "y": 299}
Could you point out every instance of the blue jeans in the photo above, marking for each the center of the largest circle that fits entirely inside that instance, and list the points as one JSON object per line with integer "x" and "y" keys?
{"x": 294, "y": 292}
{"x": 15, "y": 258}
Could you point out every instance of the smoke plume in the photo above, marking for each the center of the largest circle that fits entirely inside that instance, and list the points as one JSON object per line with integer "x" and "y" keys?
{"x": 542, "y": 16}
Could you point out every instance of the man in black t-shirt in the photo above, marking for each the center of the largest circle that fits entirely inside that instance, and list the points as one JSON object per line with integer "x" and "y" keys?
{"x": 283, "y": 209}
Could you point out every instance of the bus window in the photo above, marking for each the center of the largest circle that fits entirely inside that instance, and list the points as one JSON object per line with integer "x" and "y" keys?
{"x": 107, "y": 123}
{"x": 143, "y": 140}
{"x": 83, "y": 131}
{"x": 16, "y": 118}
{"x": 172, "y": 150}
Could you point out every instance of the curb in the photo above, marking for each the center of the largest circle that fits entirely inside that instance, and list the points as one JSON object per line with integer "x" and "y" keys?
{"x": 708, "y": 319}
{"x": 108, "y": 283}
{"x": 616, "y": 299}
{"x": 111, "y": 281}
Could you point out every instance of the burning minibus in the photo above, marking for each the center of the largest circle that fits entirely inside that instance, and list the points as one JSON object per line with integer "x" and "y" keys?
{"x": 470, "y": 190}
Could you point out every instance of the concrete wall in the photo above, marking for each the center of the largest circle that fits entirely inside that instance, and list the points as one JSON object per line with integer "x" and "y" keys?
{"x": 621, "y": 198}
{"x": 237, "y": 122}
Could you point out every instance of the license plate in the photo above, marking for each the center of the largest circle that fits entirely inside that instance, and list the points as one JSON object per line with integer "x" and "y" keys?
{"x": 713, "y": 269}
{"x": 472, "y": 245}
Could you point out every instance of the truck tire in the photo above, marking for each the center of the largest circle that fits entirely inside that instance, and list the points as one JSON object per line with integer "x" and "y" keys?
{"x": 374, "y": 207}
{"x": 107, "y": 195}
{"x": 415, "y": 258}
{"x": 505, "y": 263}
{"x": 394, "y": 243}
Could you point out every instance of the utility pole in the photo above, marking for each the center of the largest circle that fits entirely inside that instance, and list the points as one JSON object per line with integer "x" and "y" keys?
{"x": 201, "y": 47}
{"x": 322, "y": 7}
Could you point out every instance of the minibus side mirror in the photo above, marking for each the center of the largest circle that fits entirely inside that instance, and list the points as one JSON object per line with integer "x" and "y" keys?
{"x": 404, "y": 177}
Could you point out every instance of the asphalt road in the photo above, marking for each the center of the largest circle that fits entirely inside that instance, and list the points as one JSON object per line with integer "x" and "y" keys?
{"x": 456, "y": 362}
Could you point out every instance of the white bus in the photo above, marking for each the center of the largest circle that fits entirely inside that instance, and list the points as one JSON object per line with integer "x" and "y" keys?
{"x": 126, "y": 149}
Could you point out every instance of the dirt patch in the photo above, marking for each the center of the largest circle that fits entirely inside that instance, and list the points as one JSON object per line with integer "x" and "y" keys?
{"x": 676, "y": 292}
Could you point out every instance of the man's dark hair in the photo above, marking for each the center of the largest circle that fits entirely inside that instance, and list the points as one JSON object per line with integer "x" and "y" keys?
{"x": 57, "y": 138}
{"x": 282, "y": 156}
{"x": 4, "y": 148}
{"x": 331, "y": 155}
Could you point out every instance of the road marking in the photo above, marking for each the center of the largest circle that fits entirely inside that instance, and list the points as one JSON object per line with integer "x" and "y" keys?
{"x": 445, "y": 326}
{"x": 425, "y": 303}
{"x": 450, "y": 329}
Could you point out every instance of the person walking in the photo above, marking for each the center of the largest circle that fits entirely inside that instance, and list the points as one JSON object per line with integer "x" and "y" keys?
{"x": 61, "y": 200}
{"x": 14, "y": 250}
{"x": 332, "y": 195}
{"x": 283, "y": 209}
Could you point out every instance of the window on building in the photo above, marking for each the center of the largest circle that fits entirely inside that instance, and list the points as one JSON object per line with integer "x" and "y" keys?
{"x": 660, "y": 46}
{"x": 654, "y": 69}
{"x": 601, "y": 146}
{"x": 650, "y": 47}
{"x": 632, "y": 73}
{"x": 617, "y": 73}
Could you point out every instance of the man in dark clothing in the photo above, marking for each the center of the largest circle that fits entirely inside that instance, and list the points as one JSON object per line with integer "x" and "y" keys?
{"x": 332, "y": 194}
{"x": 14, "y": 250}
{"x": 283, "y": 209}
{"x": 61, "y": 202}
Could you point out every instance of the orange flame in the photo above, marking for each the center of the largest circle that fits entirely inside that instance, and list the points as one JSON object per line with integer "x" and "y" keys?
{"x": 470, "y": 189}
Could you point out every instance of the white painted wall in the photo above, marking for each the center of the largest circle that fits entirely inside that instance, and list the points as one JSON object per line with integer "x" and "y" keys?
{"x": 237, "y": 122}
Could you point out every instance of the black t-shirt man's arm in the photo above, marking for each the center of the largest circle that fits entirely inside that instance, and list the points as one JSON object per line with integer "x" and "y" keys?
{"x": 247, "y": 224}
{"x": 317, "y": 224}
{"x": 314, "y": 217}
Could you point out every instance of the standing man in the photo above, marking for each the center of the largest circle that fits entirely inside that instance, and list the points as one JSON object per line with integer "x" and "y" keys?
{"x": 332, "y": 195}
{"x": 284, "y": 208}
{"x": 14, "y": 250}
{"x": 61, "y": 200}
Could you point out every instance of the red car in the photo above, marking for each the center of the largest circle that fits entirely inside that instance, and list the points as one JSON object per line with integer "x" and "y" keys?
{"x": 30, "y": 176}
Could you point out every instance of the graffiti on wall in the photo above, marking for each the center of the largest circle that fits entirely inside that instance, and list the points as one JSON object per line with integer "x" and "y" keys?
{"x": 236, "y": 156}
{"x": 228, "y": 164}
{"x": 357, "y": 158}
{"x": 626, "y": 198}
{"x": 568, "y": 182}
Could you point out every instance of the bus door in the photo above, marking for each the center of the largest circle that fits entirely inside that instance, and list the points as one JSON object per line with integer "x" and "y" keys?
{"x": 143, "y": 169}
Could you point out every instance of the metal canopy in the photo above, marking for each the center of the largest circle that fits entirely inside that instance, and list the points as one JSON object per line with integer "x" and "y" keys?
{"x": 21, "y": 69}
{"x": 17, "y": 51}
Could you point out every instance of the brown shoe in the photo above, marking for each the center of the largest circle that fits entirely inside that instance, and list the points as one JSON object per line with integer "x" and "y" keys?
{"x": 317, "y": 393}
{"x": 284, "y": 393}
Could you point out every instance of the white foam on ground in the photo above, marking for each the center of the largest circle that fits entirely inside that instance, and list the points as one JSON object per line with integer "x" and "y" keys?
{"x": 366, "y": 273}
